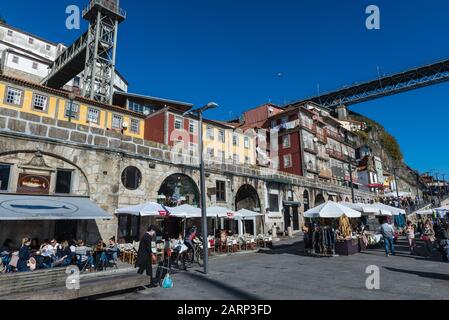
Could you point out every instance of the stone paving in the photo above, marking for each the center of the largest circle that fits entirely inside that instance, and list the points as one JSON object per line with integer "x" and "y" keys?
{"x": 284, "y": 273}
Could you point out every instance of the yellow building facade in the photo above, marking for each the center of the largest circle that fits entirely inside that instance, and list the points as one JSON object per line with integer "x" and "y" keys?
{"x": 50, "y": 103}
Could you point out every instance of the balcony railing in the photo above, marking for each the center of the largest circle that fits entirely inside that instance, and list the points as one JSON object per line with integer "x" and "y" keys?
{"x": 308, "y": 126}
{"x": 322, "y": 137}
{"x": 336, "y": 154}
{"x": 334, "y": 135}
{"x": 286, "y": 126}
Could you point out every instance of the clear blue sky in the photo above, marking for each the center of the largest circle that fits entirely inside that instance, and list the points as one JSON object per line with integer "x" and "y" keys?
{"x": 231, "y": 51}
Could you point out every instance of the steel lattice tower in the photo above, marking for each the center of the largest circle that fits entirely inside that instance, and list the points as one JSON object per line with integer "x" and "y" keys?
{"x": 104, "y": 17}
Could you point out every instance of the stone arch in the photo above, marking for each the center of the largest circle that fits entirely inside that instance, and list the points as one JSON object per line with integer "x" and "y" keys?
{"x": 331, "y": 198}
{"x": 347, "y": 199}
{"x": 177, "y": 185}
{"x": 247, "y": 198}
{"x": 52, "y": 155}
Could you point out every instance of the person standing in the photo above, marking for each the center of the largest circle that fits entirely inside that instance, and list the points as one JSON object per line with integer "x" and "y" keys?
{"x": 410, "y": 231}
{"x": 24, "y": 255}
{"x": 428, "y": 237}
{"x": 387, "y": 232}
{"x": 144, "y": 254}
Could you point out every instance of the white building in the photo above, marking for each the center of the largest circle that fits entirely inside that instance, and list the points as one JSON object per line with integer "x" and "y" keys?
{"x": 29, "y": 57}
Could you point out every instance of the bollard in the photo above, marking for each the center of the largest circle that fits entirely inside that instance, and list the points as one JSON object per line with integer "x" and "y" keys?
{"x": 290, "y": 232}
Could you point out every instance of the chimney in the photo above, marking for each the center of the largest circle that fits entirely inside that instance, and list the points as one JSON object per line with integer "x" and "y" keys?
{"x": 342, "y": 112}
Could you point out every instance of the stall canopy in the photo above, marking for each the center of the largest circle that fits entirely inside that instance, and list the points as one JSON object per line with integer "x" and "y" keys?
{"x": 145, "y": 210}
{"x": 246, "y": 214}
{"x": 366, "y": 209}
{"x": 394, "y": 211}
{"x": 220, "y": 212}
{"x": 401, "y": 194}
{"x": 22, "y": 207}
{"x": 331, "y": 209}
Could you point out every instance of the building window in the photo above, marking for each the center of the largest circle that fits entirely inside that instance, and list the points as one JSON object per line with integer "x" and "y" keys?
{"x": 63, "y": 181}
{"x": 35, "y": 65}
{"x": 117, "y": 121}
{"x": 192, "y": 126}
{"x": 10, "y": 33}
{"x": 40, "y": 102}
{"x": 287, "y": 161}
{"x": 93, "y": 115}
{"x": 235, "y": 158}
{"x": 192, "y": 148}
{"x": 30, "y": 40}
{"x": 210, "y": 133}
{"x": 14, "y": 96}
{"x": 135, "y": 125}
{"x": 48, "y": 47}
{"x": 178, "y": 123}
{"x": 5, "y": 172}
{"x": 131, "y": 178}
{"x": 235, "y": 140}
{"x": 221, "y": 190}
{"x": 210, "y": 152}
{"x": 273, "y": 200}
{"x": 246, "y": 143}
{"x": 286, "y": 141}
{"x": 15, "y": 59}
{"x": 222, "y": 155}
{"x": 74, "y": 107}
{"x": 247, "y": 160}
{"x": 221, "y": 135}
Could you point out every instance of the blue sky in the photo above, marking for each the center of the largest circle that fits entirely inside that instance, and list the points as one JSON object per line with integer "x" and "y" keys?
{"x": 230, "y": 51}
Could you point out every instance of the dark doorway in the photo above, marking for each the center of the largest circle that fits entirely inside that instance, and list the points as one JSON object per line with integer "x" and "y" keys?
{"x": 306, "y": 201}
{"x": 295, "y": 218}
{"x": 66, "y": 230}
{"x": 319, "y": 199}
{"x": 287, "y": 220}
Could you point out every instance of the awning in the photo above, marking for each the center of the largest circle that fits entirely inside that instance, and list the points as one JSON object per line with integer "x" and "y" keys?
{"x": 22, "y": 207}
{"x": 145, "y": 210}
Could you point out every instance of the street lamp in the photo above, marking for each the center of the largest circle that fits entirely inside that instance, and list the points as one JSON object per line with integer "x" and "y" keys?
{"x": 71, "y": 98}
{"x": 348, "y": 158}
{"x": 199, "y": 113}
{"x": 397, "y": 186}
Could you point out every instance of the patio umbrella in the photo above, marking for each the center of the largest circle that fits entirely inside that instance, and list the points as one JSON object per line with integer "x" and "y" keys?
{"x": 185, "y": 211}
{"x": 395, "y": 211}
{"x": 366, "y": 208}
{"x": 145, "y": 210}
{"x": 424, "y": 212}
{"x": 220, "y": 212}
{"x": 246, "y": 214}
{"x": 331, "y": 209}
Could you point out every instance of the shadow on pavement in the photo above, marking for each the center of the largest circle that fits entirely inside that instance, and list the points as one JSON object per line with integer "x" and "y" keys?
{"x": 295, "y": 248}
{"x": 237, "y": 293}
{"x": 432, "y": 275}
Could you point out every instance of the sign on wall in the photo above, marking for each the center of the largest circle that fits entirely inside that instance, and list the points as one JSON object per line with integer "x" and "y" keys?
{"x": 33, "y": 184}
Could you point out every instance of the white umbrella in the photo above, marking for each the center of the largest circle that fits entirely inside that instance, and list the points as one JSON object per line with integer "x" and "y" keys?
{"x": 401, "y": 194}
{"x": 366, "y": 208}
{"x": 145, "y": 209}
{"x": 245, "y": 213}
{"x": 185, "y": 211}
{"x": 220, "y": 212}
{"x": 331, "y": 209}
{"x": 424, "y": 212}
{"x": 395, "y": 211}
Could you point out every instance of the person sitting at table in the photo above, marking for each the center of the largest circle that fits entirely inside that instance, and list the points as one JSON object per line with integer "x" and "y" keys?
{"x": 47, "y": 252}
{"x": 112, "y": 250}
{"x": 24, "y": 255}
{"x": 100, "y": 255}
{"x": 6, "y": 251}
{"x": 64, "y": 254}
{"x": 84, "y": 253}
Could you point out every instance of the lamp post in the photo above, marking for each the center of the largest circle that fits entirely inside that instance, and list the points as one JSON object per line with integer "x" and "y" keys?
{"x": 397, "y": 186}
{"x": 439, "y": 188}
{"x": 199, "y": 113}
{"x": 348, "y": 158}
{"x": 71, "y": 98}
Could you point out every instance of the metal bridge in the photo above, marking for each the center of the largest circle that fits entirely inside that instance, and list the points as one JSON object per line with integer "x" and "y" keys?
{"x": 93, "y": 53}
{"x": 385, "y": 86}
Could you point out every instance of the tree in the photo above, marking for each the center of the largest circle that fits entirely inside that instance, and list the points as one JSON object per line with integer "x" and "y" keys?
{"x": 391, "y": 146}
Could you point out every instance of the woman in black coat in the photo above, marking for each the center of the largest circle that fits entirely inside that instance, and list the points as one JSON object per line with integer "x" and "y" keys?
{"x": 144, "y": 261}
{"x": 24, "y": 255}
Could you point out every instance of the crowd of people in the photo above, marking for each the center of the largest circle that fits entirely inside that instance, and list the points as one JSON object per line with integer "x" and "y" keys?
{"x": 31, "y": 255}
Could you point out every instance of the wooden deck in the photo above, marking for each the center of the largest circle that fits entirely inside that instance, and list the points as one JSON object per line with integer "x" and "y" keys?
{"x": 51, "y": 284}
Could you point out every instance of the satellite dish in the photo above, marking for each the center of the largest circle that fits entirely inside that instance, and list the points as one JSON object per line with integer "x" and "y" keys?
{"x": 146, "y": 112}
{"x": 125, "y": 125}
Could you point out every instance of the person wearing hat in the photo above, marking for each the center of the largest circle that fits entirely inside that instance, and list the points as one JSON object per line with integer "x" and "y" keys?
{"x": 144, "y": 254}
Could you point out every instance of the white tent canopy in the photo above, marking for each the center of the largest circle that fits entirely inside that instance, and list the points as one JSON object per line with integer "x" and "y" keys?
{"x": 331, "y": 209}
{"x": 220, "y": 212}
{"x": 145, "y": 210}
{"x": 395, "y": 211}
{"x": 424, "y": 212}
{"x": 401, "y": 194}
{"x": 366, "y": 209}
{"x": 246, "y": 214}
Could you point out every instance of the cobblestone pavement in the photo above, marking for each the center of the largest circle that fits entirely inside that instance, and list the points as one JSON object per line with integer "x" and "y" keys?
{"x": 284, "y": 273}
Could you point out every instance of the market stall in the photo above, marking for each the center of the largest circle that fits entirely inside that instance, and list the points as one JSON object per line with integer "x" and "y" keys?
{"x": 330, "y": 232}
